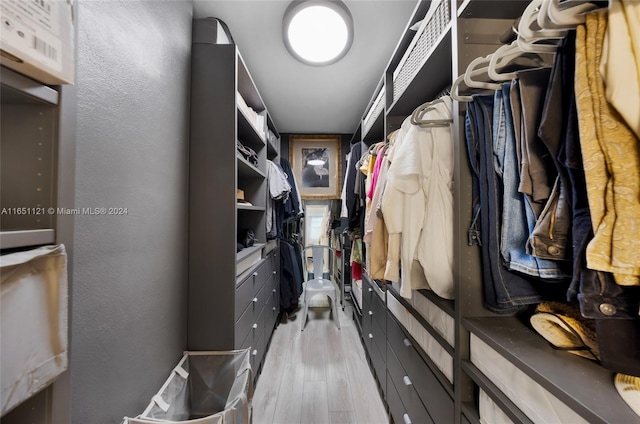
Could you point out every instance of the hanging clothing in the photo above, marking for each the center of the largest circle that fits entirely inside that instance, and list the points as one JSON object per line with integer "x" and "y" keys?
{"x": 343, "y": 196}
{"x": 290, "y": 280}
{"x": 611, "y": 156}
{"x": 620, "y": 64}
{"x": 293, "y": 205}
{"x": 354, "y": 208}
{"x": 279, "y": 190}
{"x": 504, "y": 292}
{"x": 418, "y": 205}
{"x": 516, "y": 213}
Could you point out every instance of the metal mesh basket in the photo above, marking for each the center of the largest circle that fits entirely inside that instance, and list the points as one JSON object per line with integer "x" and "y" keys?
{"x": 426, "y": 41}
{"x": 374, "y": 112}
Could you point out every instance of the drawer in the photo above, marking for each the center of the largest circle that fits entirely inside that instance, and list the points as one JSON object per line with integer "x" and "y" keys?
{"x": 428, "y": 387}
{"x": 396, "y": 408}
{"x": 464, "y": 420}
{"x": 367, "y": 293}
{"x": 257, "y": 352}
{"x": 367, "y": 330}
{"x": 379, "y": 312}
{"x": 378, "y": 360}
{"x": 249, "y": 287}
{"x": 272, "y": 309}
{"x": 404, "y": 386}
{"x": 250, "y": 317}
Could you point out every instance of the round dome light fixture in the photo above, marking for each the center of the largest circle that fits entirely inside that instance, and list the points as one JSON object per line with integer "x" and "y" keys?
{"x": 317, "y": 32}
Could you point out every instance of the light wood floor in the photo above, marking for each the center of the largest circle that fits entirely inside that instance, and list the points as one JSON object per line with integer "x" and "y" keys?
{"x": 319, "y": 375}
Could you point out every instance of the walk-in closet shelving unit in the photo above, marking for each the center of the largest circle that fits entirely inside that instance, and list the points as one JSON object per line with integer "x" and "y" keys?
{"x": 37, "y": 152}
{"x": 233, "y": 297}
{"x": 424, "y": 63}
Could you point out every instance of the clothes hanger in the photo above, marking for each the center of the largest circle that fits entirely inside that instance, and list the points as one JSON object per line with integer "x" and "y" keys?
{"x": 416, "y": 116}
{"x": 504, "y": 55}
{"x": 473, "y": 71}
{"x": 571, "y": 15}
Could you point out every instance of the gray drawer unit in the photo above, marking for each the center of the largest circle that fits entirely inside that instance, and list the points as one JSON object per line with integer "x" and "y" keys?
{"x": 258, "y": 351}
{"x": 250, "y": 285}
{"x": 250, "y": 316}
{"x": 435, "y": 397}
{"x": 404, "y": 386}
{"x": 377, "y": 353}
{"x": 367, "y": 313}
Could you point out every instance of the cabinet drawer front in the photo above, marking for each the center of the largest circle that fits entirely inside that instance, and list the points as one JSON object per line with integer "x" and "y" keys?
{"x": 248, "y": 288}
{"x": 379, "y": 313}
{"x": 272, "y": 309}
{"x": 428, "y": 387}
{"x": 378, "y": 360}
{"x": 250, "y": 316}
{"x": 404, "y": 385}
{"x": 367, "y": 294}
{"x": 257, "y": 352}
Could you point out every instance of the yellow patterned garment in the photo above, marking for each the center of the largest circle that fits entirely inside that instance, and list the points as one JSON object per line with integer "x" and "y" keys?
{"x": 611, "y": 159}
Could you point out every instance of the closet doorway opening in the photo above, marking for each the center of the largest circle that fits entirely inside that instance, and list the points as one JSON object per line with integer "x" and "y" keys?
{"x": 316, "y": 217}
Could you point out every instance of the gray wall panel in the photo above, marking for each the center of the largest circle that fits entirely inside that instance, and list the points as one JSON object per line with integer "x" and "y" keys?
{"x": 130, "y": 272}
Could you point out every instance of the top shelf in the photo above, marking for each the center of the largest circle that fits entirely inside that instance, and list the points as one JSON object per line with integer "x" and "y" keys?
{"x": 18, "y": 89}
{"x": 583, "y": 385}
{"x": 492, "y": 9}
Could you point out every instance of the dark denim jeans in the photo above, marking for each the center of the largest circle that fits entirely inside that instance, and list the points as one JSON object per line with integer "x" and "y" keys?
{"x": 504, "y": 292}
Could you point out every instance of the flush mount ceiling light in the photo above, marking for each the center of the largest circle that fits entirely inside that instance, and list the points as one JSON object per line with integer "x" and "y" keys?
{"x": 317, "y": 32}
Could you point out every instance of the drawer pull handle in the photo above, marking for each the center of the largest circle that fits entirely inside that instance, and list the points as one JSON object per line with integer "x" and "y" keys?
{"x": 407, "y": 342}
{"x": 255, "y": 352}
{"x": 274, "y": 290}
{"x": 254, "y": 326}
{"x": 370, "y": 336}
{"x": 255, "y": 300}
{"x": 406, "y": 419}
{"x": 274, "y": 272}
{"x": 370, "y": 313}
{"x": 406, "y": 381}
{"x": 273, "y": 309}
{"x": 370, "y": 289}
{"x": 255, "y": 274}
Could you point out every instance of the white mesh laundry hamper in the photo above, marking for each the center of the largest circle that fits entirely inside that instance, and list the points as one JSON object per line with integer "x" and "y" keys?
{"x": 204, "y": 388}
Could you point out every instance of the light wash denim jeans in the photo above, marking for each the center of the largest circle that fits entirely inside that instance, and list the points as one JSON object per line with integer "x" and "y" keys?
{"x": 518, "y": 218}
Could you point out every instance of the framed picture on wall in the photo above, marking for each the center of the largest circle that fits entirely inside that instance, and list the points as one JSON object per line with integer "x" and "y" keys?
{"x": 315, "y": 160}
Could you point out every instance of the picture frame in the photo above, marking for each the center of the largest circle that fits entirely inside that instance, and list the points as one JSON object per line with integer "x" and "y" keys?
{"x": 316, "y": 165}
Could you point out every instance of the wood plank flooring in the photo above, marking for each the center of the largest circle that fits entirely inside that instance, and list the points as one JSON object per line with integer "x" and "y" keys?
{"x": 319, "y": 375}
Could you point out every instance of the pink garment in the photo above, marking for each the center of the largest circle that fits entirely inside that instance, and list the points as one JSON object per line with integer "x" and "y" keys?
{"x": 376, "y": 171}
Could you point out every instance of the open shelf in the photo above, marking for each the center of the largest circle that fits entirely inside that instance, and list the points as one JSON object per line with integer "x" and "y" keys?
{"x": 246, "y": 169}
{"x": 431, "y": 78}
{"x": 18, "y": 89}
{"x": 492, "y": 9}
{"x": 581, "y": 384}
{"x": 247, "y": 133}
{"x": 495, "y": 394}
{"x": 445, "y": 304}
{"x": 423, "y": 322}
{"x": 243, "y": 207}
{"x": 376, "y": 132}
{"x": 26, "y": 238}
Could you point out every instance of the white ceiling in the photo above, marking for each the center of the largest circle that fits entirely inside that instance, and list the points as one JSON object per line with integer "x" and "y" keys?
{"x": 309, "y": 99}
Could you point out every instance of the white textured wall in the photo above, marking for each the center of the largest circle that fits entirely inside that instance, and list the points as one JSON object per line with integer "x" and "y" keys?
{"x": 130, "y": 271}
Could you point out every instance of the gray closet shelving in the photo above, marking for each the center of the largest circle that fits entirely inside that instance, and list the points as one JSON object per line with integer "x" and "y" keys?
{"x": 233, "y": 297}
{"x": 37, "y": 171}
{"x": 414, "y": 387}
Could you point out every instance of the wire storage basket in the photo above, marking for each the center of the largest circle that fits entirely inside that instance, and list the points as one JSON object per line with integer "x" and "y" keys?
{"x": 434, "y": 25}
